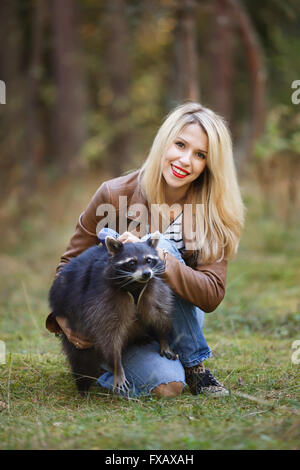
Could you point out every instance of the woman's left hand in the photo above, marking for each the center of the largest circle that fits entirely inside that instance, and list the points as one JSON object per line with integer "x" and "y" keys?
{"x": 128, "y": 237}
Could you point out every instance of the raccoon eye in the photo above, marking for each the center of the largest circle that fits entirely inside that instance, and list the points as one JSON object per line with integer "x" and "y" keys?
{"x": 150, "y": 260}
{"x": 131, "y": 263}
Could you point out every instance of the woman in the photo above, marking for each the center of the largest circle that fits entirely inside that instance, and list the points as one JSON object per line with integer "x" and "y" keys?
{"x": 187, "y": 189}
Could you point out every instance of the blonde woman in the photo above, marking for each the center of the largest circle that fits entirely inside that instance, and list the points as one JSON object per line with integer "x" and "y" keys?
{"x": 187, "y": 190}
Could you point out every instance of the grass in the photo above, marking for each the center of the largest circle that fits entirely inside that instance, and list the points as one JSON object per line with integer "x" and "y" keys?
{"x": 251, "y": 334}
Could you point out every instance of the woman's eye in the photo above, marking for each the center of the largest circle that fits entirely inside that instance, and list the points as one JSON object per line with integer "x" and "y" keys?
{"x": 200, "y": 155}
{"x": 180, "y": 144}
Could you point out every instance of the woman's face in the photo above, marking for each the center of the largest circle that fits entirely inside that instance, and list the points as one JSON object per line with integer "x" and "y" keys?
{"x": 185, "y": 160}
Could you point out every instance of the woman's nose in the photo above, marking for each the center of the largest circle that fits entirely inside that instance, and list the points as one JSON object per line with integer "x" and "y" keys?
{"x": 185, "y": 158}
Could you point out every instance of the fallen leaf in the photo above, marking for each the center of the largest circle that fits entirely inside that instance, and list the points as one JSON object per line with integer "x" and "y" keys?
{"x": 240, "y": 381}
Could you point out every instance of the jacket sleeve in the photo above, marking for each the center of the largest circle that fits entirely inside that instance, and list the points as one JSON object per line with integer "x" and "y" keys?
{"x": 84, "y": 237}
{"x": 85, "y": 234}
{"x": 203, "y": 286}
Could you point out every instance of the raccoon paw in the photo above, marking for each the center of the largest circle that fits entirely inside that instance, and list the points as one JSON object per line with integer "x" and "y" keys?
{"x": 121, "y": 385}
{"x": 169, "y": 354}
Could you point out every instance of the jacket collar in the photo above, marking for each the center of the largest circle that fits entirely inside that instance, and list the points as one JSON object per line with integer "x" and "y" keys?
{"x": 134, "y": 212}
{"x": 136, "y": 198}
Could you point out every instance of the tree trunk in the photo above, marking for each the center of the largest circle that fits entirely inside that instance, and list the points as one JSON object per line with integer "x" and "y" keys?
{"x": 119, "y": 77}
{"x": 32, "y": 155}
{"x": 255, "y": 60}
{"x": 68, "y": 113}
{"x": 185, "y": 82}
{"x": 12, "y": 133}
{"x": 221, "y": 60}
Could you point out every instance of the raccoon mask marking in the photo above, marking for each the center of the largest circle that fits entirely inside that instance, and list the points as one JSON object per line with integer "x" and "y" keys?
{"x": 131, "y": 266}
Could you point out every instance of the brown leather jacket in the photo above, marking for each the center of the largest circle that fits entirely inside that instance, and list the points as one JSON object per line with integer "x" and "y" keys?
{"x": 203, "y": 285}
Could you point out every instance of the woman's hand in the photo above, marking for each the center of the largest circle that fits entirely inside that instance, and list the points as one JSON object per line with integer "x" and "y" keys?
{"x": 161, "y": 254}
{"x": 81, "y": 342}
{"x": 128, "y": 237}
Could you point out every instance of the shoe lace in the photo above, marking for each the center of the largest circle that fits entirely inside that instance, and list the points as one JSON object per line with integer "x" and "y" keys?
{"x": 212, "y": 378}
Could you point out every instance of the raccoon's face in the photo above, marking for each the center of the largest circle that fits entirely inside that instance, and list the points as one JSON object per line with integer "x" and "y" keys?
{"x": 132, "y": 263}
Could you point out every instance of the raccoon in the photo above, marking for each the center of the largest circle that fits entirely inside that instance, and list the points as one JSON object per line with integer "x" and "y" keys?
{"x": 114, "y": 295}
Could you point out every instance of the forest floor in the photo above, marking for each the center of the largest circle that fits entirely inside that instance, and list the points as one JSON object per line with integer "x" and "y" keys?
{"x": 252, "y": 334}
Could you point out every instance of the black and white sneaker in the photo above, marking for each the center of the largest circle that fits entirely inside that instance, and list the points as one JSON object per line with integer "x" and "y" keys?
{"x": 201, "y": 380}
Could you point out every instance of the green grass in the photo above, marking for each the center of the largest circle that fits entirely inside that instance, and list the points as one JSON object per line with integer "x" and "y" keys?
{"x": 251, "y": 335}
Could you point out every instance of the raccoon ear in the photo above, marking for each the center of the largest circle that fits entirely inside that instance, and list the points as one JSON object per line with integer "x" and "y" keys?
{"x": 113, "y": 245}
{"x": 154, "y": 239}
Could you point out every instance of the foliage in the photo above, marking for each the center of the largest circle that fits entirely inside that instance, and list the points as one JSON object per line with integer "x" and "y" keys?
{"x": 150, "y": 57}
{"x": 281, "y": 132}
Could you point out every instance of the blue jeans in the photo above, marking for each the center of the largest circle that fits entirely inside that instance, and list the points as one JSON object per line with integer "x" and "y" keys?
{"x": 144, "y": 368}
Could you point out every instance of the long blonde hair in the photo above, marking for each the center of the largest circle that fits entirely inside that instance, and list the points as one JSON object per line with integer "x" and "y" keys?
{"x": 221, "y": 220}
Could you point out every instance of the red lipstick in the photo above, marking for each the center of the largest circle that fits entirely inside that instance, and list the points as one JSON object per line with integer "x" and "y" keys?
{"x": 177, "y": 174}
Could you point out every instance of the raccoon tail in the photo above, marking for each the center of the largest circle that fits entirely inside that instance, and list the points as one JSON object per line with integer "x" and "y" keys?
{"x": 85, "y": 365}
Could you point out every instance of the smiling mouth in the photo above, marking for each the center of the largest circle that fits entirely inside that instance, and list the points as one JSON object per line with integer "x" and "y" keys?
{"x": 178, "y": 172}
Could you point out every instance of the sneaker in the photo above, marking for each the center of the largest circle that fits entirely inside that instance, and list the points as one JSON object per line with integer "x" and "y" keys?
{"x": 201, "y": 380}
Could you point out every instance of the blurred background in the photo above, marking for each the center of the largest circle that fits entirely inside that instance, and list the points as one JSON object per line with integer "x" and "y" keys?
{"x": 88, "y": 83}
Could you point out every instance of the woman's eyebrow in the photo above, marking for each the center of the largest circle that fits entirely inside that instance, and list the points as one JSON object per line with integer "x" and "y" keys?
{"x": 198, "y": 150}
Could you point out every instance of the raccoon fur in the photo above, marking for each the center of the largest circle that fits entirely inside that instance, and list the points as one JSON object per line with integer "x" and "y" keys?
{"x": 114, "y": 295}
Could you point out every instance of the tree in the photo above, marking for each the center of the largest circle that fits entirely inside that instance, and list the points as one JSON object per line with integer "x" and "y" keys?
{"x": 220, "y": 57}
{"x": 186, "y": 80}
{"x": 117, "y": 62}
{"x": 68, "y": 112}
{"x": 256, "y": 64}
{"x": 33, "y": 152}
{"x": 12, "y": 112}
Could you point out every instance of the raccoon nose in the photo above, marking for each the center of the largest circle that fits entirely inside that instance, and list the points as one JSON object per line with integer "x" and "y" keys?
{"x": 146, "y": 275}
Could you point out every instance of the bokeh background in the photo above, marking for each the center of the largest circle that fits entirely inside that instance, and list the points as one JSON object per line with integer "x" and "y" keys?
{"x": 88, "y": 83}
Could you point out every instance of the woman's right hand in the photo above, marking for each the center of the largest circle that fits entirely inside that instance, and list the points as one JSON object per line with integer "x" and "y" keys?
{"x": 81, "y": 342}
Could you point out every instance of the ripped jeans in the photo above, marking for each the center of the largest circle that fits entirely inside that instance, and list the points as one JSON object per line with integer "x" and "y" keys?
{"x": 144, "y": 368}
